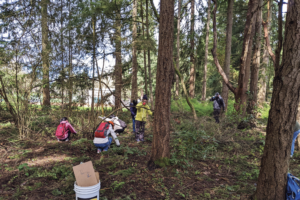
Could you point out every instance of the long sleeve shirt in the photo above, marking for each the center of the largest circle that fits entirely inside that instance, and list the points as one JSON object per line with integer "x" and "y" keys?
{"x": 105, "y": 140}
{"x": 142, "y": 111}
{"x": 68, "y": 128}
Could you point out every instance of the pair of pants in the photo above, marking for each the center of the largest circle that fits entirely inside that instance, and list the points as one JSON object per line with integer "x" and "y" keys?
{"x": 133, "y": 123}
{"x": 104, "y": 146}
{"x": 294, "y": 140}
{"x": 140, "y": 128}
{"x": 216, "y": 115}
{"x": 69, "y": 134}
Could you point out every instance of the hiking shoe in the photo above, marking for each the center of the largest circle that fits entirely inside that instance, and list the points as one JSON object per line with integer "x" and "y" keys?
{"x": 138, "y": 140}
{"x": 67, "y": 140}
{"x": 98, "y": 151}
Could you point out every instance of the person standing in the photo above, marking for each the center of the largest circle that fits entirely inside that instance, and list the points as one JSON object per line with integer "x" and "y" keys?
{"x": 142, "y": 110}
{"x": 133, "y": 113}
{"x": 218, "y": 103}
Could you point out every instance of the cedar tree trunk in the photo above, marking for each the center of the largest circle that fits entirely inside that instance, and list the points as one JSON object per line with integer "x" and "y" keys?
{"x": 272, "y": 179}
{"x": 206, "y": 51}
{"x": 264, "y": 78}
{"x": 144, "y": 51}
{"x": 178, "y": 46}
{"x": 164, "y": 78}
{"x": 255, "y": 62}
{"x": 134, "y": 87}
{"x": 244, "y": 74}
{"x": 118, "y": 67}
{"x": 227, "y": 50}
{"x": 45, "y": 53}
{"x": 192, "y": 56}
{"x": 149, "y": 59}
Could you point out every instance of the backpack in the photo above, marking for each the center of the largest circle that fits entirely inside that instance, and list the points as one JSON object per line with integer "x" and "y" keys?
{"x": 60, "y": 130}
{"x": 122, "y": 123}
{"x": 101, "y": 131}
{"x": 292, "y": 188}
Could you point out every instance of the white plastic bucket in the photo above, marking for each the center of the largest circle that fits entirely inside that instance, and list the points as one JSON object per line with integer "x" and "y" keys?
{"x": 91, "y": 192}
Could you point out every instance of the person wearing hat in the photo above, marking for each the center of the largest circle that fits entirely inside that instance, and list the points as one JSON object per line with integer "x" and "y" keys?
{"x": 142, "y": 110}
{"x": 218, "y": 103}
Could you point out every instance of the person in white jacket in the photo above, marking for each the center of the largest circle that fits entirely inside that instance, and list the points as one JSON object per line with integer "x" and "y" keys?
{"x": 103, "y": 144}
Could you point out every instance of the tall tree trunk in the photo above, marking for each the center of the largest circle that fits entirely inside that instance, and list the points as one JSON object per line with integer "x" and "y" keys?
{"x": 264, "y": 78}
{"x": 144, "y": 51}
{"x": 45, "y": 53}
{"x": 206, "y": 51}
{"x": 178, "y": 46}
{"x": 149, "y": 59}
{"x": 225, "y": 89}
{"x": 134, "y": 88}
{"x": 118, "y": 67}
{"x": 62, "y": 53}
{"x": 256, "y": 61}
{"x": 244, "y": 74}
{"x": 164, "y": 77}
{"x": 192, "y": 56}
{"x": 70, "y": 64}
{"x": 94, "y": 60}
{"x": 272, "y": 179}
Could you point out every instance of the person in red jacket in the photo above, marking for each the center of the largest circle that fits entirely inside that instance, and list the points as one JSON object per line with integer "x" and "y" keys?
{"x": 66, "y": 130}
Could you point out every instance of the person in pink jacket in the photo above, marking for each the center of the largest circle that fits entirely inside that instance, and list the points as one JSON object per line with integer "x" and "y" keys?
{"x": 64, "y": 130}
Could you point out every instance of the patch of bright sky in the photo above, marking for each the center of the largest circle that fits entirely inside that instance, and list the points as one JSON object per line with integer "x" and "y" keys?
{"x": 110, "y": 61}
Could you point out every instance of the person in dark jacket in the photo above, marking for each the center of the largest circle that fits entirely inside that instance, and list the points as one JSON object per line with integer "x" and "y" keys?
{"x": 295, "y": 135}
{"x": 218, "y": 104}
{"x": 133, "y": 113}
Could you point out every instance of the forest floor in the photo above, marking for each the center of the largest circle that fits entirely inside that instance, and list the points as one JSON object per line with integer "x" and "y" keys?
{"x": 208, "y": 161}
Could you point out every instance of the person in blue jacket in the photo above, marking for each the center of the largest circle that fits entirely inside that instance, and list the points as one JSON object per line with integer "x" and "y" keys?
{"x": 296, "y": 133}
{"x": 133, "y": 113}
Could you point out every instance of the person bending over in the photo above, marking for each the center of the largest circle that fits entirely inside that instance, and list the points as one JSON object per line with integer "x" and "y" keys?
{"x": 64, "y": 130}
{"x": 101, "y": 139}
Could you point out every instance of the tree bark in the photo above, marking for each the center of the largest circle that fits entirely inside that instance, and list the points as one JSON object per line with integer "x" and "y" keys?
{"x": 263, "y": 81}
{"x": 144, "y": 51}
{"x": 118, "y": 67}
{"x": 94, "y": 60}
{"x": 134, "y": 88}
{"x": 192, "y": 56}
{"x": 225, "y": 89}
{"x": 70, "y": 65}
{"x": 45, "y": 53}
{"x": 206, "y": 50}
{"x": 178, "y": 46}
{"x": 272, "y": 179}
{"x": 164, "y": 78}
{"x": 62, "y": 54}
{"x": 149, "y": 59}
{"x": 256, "y": 61}
{"x": 244, "y": 74}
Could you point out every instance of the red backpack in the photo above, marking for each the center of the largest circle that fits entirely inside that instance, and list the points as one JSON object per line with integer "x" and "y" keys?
{"x": 60, "y": 131}
{"x": 101, "y": 131}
